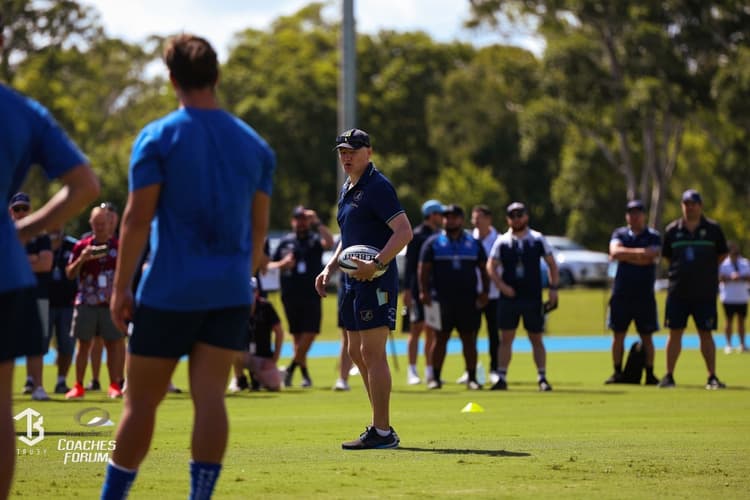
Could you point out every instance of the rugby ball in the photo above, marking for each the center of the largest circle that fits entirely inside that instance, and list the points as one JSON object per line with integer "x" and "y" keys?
{"x": 362, "y": 252}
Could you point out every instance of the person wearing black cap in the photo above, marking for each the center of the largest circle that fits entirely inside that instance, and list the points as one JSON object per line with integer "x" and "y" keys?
{"x": 29, "y": 135}
{"x": 515, "y": 269}
{"x": 369, "y": 213}
{"x": 432, "y": 220}
{"x": 695, "y": 247}
{"x": 636, "y": 248}
{"x": 448, "y": 263}
{"x": 298, "y": 257}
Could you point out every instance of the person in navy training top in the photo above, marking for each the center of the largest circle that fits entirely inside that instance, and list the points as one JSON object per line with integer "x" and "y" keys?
{"x": 39, "y": 253}
{"x": 200, "y": 182}
{"x": 448, "y": 264}
{"x": 369, "y": 213}
{"x": 432, "y": 221}
{"x": 29, "y": 135}
{"x": 514, "y": 268}
{"x": 636, "y": 248}
{"x": 695, "y": 247}
{"x": 299, "y": 257}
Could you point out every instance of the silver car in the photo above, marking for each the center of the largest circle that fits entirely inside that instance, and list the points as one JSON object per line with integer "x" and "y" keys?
{"x": 578, "y": 265}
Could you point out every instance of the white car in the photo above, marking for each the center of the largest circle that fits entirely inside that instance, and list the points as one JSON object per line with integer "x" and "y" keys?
{"x": 578, "y": 265}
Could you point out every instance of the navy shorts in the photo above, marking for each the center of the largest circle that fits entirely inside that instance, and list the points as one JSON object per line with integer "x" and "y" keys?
{"x": 364, "y": 305}
{"x": 303, "y": 316}
{"x": 510, "y": 312}
{"x": 678, "y": 310}
{"x": 461, "y": 315}
{"x": 642, "y": 311}
{"x": 172, "y": 334}
{"x": 416, "y": 311}
{"x": 735, "y": 309}
{"x": 22, "y": 333}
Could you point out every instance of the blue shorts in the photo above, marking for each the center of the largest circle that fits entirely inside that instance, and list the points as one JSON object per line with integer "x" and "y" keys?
{"x": 60, "y": 321}
{"x": 642, "y": 311}
{"x": 678, "y": 310}
{"x": 22, "y": 333}
{"x": 172, "y": 334}
{"x": 510, "y": 312}
{"x": 364, "y": 305}
{"x": 461, "y": 315}
{"x": 303, "y": 315}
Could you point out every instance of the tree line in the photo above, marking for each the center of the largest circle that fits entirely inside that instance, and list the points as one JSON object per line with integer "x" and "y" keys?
{"x": 629, "y": 99}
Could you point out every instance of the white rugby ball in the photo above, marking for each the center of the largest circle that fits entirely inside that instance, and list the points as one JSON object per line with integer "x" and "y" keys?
{"x": 362, "y": 252}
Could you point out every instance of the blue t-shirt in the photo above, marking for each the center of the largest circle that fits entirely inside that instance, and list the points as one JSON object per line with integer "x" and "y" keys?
{"x": 364, "y": 212}
{"x": 28, "y": 136}
{"x": 519, "y": 263}
{"x": 209, "y": 165}
{"x": 454, "y": 266}
{"x": 634, "y": 281}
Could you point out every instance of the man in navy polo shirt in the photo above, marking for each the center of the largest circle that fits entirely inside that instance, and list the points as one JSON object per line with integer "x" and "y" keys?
{"x": 514, "y": 268}
{"x": 369, "y": 213}
{"x": 449, "y": 262}
{"x": 695, "y": 247}
{"x": 636, "y": 248}
{"x": 299, "y": 257}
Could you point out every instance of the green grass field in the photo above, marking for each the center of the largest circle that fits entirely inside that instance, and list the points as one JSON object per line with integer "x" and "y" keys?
{"x": 583, "y": 440}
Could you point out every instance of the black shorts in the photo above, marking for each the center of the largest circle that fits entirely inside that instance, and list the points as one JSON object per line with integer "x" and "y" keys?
{"x": 22, "y": 333}
{"x": 642, "y": 311}
{"x": 172, "y": 334}
{"x": 463, "y": 316}
{"x": 678, "y": 310}
{"x": 735, "y": 309}
{"x": 416, "y": 311}
{"x": 303, "y": 316}
{"x": 510, "y": 312}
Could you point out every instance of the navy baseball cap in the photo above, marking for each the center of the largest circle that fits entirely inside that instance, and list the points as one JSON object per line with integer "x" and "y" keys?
{"x": 299, "y": 211}
{"x": 353, "y": 139}
{"x": 430, "y": 207}
{"x": 692, "y": 195}
{"x": 20, "y": 199}
{"x": 453, "y": 209}
{"x": 635, "y": 205}
{"x": 516, "y": 206}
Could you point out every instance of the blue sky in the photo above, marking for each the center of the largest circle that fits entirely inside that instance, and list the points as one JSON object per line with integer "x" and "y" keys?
{"x": 218, "y": 20}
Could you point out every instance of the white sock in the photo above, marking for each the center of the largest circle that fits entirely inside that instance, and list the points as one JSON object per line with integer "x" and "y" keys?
{"x": 383, "y": 433}
{"x": 428, "y": 373}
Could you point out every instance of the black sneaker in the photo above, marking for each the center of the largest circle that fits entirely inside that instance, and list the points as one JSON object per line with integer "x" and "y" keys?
{"x": 371, "y": 440}
{"x": 544, "y": 385}
{"x": 714, "y": 383}
{"x": 667, "y": 382}
{"x": 94, "y": 386}
{"x": 287, "y": 378}
{"x": 28, "y": 387}
{"x": 61, "y": 388}
{"x": 651, "y": 380}
{"x": 615, "y": 378}
{"x": 500, "y": 385}
{"x": 242, "y": 383}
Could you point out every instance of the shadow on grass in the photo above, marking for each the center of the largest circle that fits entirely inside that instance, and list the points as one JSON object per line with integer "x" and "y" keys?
{"x": 459, "y": 451}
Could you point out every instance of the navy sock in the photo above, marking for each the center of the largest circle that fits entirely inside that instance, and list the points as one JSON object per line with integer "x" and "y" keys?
{"x": 203, "y": 476}
{"x": 117, "y": 482}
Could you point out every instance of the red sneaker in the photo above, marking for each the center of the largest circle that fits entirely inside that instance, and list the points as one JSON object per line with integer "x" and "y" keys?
{"x": 114, "y": 390}
{"x": 76, "y": 392}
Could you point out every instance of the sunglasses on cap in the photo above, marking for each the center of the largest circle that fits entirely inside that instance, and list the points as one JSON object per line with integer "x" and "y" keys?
{"x": 21, "y": 208}
{"x": 354, "y": 141}
{"x": 516, "y": 214}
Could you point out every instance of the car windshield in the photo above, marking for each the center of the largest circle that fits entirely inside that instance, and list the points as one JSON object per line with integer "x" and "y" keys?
{"x": 562, "y": 243}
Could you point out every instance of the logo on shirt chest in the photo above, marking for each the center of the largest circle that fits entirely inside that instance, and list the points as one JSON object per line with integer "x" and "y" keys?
{"x": 358, "y": 195}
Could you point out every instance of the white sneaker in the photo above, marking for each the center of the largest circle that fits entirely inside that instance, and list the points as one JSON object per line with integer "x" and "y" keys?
{"x": 494, "y": 377}
{"x": 727, "y": 349}
{"x": 413, "y": 379}
{"x": 234, "y": 388}
{"x": 353, "y": 371}
{"x": 341, "y": 385}
{"x": 463, "y": 378}
{"x": 39, "y": 394}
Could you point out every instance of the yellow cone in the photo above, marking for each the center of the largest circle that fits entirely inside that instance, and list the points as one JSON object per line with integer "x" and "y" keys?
{"x": 472, "y": 408}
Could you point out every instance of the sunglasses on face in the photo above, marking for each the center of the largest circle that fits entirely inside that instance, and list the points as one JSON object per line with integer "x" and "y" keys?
{"x": 20, "y": 208}
{"x": 516, "y": 214}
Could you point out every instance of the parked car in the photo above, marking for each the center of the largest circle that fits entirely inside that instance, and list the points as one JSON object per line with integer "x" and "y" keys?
{"x": 578, "y": 265}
